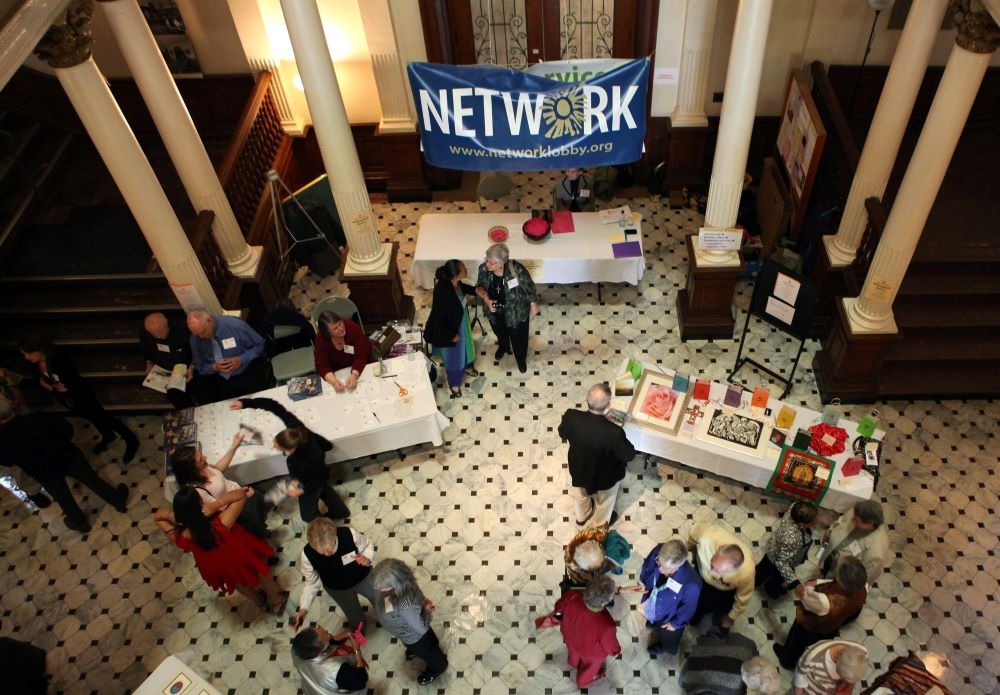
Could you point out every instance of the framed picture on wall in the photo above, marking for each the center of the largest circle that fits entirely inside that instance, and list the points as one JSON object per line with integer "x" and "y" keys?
{"x": 165, "y": 21}
{"x": 656, "y": 404}
{"x": 738, "y": 431}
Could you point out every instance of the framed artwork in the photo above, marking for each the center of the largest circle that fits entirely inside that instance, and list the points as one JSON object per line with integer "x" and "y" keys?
{"x": 655, "y": 404}
{"x": 737, "y": 431}
{"x": 801, "y": 475}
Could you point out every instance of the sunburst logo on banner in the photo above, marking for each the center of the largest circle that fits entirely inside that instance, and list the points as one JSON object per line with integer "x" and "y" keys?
{"x": 563, "y": 112}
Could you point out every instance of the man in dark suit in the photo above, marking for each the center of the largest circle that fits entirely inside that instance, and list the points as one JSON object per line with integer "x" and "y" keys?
{"x": 598, "y": 454}
{"x": 42, "y": 445}
{"x": 166, "y": 344}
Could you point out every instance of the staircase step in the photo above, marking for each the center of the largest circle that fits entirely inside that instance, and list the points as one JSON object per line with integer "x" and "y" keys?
{"x": 934, "y": 380}
{"x": 932, "y": 280}
{"x": 61, "y": 281}
{"x": 131, "y": 398}
{"x": 947, "y": 313}
{"x": 944, "y": 347}
{"x": 90, "y": 331}
{"x": 955, "y": 254}
{"x": 57, "y": 297}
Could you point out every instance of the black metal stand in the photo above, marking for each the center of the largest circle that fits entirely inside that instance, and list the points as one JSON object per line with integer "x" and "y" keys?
{"x": 740, "y": 361}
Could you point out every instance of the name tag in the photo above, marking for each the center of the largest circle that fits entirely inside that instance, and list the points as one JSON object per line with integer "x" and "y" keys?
{"x": 388, "y": 605}
{"x": 584, "y": 193}
{"x": 348, "y": 558}
{"x": 229, "y": 343}
{"x": 855, "y": 548}
{"x": 512, "y": 283}
{"x": 349, "y": 349}
{"x": 673, "y": 585}
{"x": 162, "y": 348}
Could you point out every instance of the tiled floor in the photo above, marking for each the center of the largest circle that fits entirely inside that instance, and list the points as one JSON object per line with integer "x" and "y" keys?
{"x": 485, "y": 516}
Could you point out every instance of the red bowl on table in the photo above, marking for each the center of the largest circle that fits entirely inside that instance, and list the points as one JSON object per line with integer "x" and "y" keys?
{"x": 498, "y": 234}
{"x": 537, "y": 229}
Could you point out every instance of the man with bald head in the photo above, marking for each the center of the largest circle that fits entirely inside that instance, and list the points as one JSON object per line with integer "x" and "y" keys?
{"x": 228, "y": 357}
{"x": 166, "y": 343}
{"x": 598, "y": 454}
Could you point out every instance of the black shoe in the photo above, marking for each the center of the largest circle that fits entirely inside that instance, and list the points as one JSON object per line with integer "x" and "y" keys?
{"x": 655, "y": 649}
{"x": 427, "y": 677}
{"x": 81, "y": 526}
{"x": 40, "y": 500}
{"x": 522, "y": 367}
{"x": 131, "y": 446}
{"x": 409, "y": 656}
{"x": 102, "y": 445}
{"x": 614, "y": 518}
{"x": 122, "y": 501}
{"x": 499, "y": 354}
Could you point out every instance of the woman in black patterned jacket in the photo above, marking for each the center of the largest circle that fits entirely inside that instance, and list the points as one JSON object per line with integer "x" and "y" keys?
{"x": 786, "y": 550}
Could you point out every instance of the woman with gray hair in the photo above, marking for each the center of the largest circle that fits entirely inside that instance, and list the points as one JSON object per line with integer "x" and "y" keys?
{"x": 832, "y": 666}
{"x": 588, "y": 629}
{"x": 760, "y": 676}
{"x": 507, "y": 290}
{"x": 405, "y": 612}
{"x": 671, "y": 588}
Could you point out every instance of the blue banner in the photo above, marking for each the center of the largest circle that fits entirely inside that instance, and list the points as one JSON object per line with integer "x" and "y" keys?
{"x": 486, "y": 118}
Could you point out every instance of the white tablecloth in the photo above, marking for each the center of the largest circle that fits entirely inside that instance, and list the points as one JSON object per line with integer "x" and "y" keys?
{"x": 371, "y": 420}
{"x": 581, "y": 256}
{"x": 686, "y": 449}
{"x": 174, "y": 676}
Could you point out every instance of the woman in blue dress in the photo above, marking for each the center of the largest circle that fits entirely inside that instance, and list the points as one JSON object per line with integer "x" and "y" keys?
{"x": 448, "y": 328}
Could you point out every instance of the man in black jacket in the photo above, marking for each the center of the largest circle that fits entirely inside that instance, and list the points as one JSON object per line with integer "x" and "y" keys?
{"x": 598, "y": 454}
{"x": 166, "y": 344}
{"x": 42, "y": 445}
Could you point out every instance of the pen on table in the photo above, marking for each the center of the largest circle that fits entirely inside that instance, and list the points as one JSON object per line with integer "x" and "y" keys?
{"x": 376, "y": 417}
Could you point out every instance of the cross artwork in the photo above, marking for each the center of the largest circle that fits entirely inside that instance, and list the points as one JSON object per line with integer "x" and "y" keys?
{"x": 693, "y": 413}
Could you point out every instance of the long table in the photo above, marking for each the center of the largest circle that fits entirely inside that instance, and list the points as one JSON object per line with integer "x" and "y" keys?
{"x": 583, "y": 255}
{"x": 372, "y": 419}
{"x": 690, "y": 451}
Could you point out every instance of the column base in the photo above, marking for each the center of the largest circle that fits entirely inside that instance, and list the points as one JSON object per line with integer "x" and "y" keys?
{"x": 247, "y": 268}
{"x": 831, "y": 282}
{"x": 688, "y": 120}
{"x": 379, "y": 296}
{"x": 848, "y": 364}
{"x": 838, "y": 258}
{"x": 705, "y": 306}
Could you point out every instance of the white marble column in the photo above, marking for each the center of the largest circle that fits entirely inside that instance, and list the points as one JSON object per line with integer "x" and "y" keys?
{"x": 333, "y": 132}
{"x": 739, "y": 106}
{"x": 886, "y": 133}
{"x": 393, "y": 93}
{"x": 871, "y": 312}
{"x": 88, "y": 91}
{"x": 699, "y": 26}
{"x": 180, "y": 137}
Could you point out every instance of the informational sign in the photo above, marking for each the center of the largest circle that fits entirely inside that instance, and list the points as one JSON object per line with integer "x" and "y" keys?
{"x": 880, "y": 289}
{"x": 488, "y": 118}
{"x": 720, "y": 239}
{"x": 786, "y": 288}
{"x": 187, "y": 296}
{"x": 779, "y": 310}
{"x": 666, "y": 75}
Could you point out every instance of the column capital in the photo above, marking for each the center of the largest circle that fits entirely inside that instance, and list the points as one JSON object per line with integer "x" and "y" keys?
{"x": 67, "y": 45}
{"x": 977, "y": 30}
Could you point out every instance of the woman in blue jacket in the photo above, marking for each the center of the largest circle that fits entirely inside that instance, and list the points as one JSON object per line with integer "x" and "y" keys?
{"x": 672, "y": 587}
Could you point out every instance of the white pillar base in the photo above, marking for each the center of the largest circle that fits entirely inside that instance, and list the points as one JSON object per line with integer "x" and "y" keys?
{"x": 246, "y": 267}
{"x": 396, "y": 125}
{"x": 714, "y": 258}
{"x": 688, "y": 120}
{"x": 861, "y": 323}
{"x": 379, "y": 265}
{"x": 839, "y": 258}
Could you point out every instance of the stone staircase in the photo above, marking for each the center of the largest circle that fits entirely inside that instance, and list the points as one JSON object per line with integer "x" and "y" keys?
{"x": 948, "y": 311}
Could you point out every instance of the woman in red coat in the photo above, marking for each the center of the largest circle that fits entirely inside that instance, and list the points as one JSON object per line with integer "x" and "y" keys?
{"x": 340, "y": 343}
{"x": 588, "y": 628}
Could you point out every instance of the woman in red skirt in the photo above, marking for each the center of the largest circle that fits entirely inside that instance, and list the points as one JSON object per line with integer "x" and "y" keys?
{"x": 229, "y": 557}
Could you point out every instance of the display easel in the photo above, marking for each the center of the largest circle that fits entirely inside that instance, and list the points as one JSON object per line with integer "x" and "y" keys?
{"x": 786, "y": 301}
{"x": 281, "y": 228}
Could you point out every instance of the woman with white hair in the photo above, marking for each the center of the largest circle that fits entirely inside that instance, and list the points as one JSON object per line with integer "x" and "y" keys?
{"x": 588, "y": 629}
{"x": 404, "y": 611}
{"x": 831, "y": 666}
{"x": 671, "y": 589}
{"x": 507, "y": 290}
{"x": 592, "y": 552}
{"x": 760, "y": 676}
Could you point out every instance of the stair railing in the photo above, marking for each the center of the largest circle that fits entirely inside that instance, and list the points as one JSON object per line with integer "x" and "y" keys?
{"x": 869, "y": 240}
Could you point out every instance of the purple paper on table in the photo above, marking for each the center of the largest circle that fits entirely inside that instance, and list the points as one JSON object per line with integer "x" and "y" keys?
{"x": 626, "y": 249}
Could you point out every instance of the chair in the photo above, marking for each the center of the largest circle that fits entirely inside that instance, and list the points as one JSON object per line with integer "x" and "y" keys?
{"x": 297, "y": 362}
{"x": 341, "y": 306}
{"x": 496, "y": 186}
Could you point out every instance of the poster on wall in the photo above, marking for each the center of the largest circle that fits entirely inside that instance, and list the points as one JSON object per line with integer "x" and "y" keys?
{"x": 165, "y": 21}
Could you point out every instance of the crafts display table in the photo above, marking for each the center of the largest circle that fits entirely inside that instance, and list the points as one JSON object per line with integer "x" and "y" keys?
{"x": 174, "y": 677}
{"x": 372, "y": 419}
{"x": 685, "y": 448}
{"x": 584, "y": 255}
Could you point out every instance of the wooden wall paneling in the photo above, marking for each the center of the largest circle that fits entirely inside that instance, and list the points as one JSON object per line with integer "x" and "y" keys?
{"x": 534, "y": 11}
{"x": 405, "y": 167}
{"x": 552, "y": 26}
{"x": 624, "y": 29}
{"x": 460, "y": 32}
{"x": 685, "y": 158}
{"x": 434, "y": 20}
{"x": 370, "y": 153}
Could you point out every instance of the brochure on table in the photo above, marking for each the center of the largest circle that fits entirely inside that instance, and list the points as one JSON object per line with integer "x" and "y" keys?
{"x": 696, "y": 414}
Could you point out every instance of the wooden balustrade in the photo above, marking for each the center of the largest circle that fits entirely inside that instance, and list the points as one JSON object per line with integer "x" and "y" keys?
{"x": 869, "y": 240}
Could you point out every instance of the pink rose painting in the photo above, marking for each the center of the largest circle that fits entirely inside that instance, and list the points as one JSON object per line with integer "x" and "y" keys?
{"x": 659, "y": 402}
